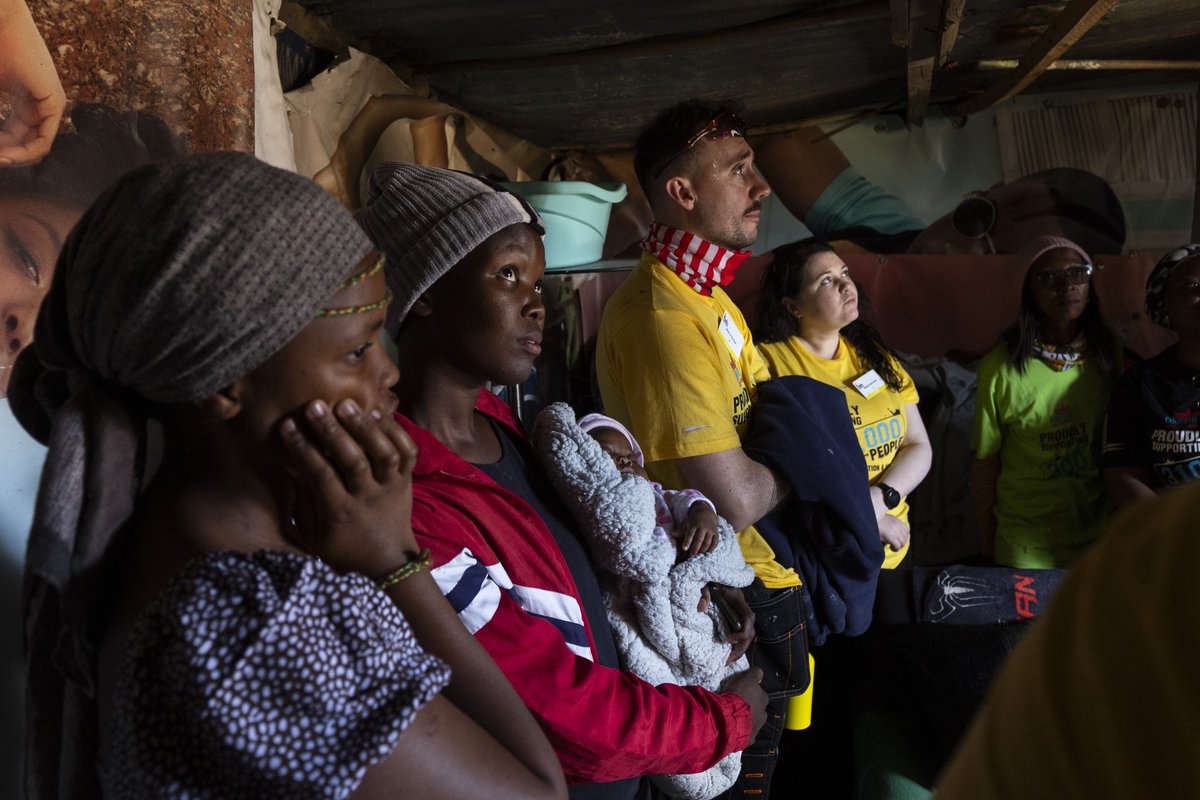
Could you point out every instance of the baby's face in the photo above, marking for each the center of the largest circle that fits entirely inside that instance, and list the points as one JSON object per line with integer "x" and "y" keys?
{"x": 617, "y": 446}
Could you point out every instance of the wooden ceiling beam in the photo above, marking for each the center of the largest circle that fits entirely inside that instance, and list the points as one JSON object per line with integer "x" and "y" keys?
{"x": 666, "y": 44}
{"x": 314, "y": 29}
{"x": 951, "y": 21}
{"x": 898, "y": 11}
{"x": 1097, "y": 64}
{"x": 925, "y": 25}
{"x": 846, "y": 118}
{"x": 1079, "y": 17}
{"x": 920, "y": 84}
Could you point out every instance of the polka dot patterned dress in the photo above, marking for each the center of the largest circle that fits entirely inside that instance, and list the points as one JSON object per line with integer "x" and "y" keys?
{"x": 263, "y": 676}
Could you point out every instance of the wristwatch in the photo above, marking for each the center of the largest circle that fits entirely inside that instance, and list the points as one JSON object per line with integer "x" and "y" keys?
{"x": 891, "y": 498}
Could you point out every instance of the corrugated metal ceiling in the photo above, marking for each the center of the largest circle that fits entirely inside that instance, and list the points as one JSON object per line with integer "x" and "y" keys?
{"x": 572, "y": 74}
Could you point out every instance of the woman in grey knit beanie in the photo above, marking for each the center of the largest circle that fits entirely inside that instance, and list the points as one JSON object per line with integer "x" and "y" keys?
{"x": 208, "y": 630}
{"x": 466, "y": 261}
{"x": 428, "y": 220}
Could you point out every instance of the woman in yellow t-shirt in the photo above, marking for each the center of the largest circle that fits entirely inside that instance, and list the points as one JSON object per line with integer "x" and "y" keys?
{"x": 808, "y": 325}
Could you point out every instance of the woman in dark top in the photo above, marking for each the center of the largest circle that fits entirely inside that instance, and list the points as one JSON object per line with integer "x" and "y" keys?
{"x": 1152, "y": 432}
{"x": 465, "y": 263}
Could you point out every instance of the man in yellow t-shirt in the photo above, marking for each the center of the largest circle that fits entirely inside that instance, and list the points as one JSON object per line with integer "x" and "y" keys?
{"x": 676, "y": 362}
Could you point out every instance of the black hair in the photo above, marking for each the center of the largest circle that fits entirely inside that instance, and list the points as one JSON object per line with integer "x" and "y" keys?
{"x": 667, "y": 133}
{"x": 1021, "y": 338}
{"x": 98, "y": 145}
{"x": 783, "y": 278}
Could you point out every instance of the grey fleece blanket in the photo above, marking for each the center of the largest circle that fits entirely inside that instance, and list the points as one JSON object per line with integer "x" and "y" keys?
{"x": 651, "y": 600}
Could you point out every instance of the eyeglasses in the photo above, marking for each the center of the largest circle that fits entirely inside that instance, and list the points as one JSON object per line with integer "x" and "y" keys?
{"x": 1075, "y": 275}
{"x": 725, "y": 125}
{"x": 975, "y": 217}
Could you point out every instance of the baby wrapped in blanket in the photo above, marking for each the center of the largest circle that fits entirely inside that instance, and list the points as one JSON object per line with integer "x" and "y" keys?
{"x": 640, "y": 537}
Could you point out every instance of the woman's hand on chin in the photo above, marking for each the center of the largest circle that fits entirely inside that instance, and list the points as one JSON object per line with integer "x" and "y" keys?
{"x": 354, "y": 505}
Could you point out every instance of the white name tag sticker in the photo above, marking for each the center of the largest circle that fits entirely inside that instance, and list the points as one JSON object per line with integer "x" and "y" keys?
{"x": 868, "y": 383}
{"x": 733, "y": 337}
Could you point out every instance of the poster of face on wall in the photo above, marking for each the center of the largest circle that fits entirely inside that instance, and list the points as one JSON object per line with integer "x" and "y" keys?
{"x": 80, "y": 104}
{"x": 89, "y": 89}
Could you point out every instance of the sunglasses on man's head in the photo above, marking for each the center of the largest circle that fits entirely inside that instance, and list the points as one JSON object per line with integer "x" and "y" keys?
{"x": 1075, "y": 274}
{"x": 725, "y": 125}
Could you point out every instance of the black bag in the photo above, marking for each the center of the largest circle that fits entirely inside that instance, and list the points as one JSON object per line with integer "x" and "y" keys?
{"x": 780, "y": 646}
{"x": 960, "y": 594}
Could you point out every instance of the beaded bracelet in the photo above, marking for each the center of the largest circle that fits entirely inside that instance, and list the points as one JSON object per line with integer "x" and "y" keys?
{"x": 412, "y": 567}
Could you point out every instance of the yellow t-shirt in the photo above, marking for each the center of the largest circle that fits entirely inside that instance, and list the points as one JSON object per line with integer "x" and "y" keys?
{"x": 880, "y": 420}
{"x": 679, "y": 370}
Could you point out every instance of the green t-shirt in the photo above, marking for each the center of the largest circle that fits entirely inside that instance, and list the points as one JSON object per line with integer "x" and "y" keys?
{"x": 1045, "y": 424}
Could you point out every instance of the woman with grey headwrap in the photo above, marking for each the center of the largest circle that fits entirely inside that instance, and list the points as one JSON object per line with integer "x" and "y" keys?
{"x": 1152, "y": 432}
{"x": 212, "y": 632}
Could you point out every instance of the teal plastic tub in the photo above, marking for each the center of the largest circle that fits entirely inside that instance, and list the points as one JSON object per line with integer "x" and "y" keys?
{"x": 576, "y": 216}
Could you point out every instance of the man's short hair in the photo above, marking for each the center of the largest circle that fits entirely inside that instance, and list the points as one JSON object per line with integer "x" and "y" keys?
{"x": 667, "y": 134}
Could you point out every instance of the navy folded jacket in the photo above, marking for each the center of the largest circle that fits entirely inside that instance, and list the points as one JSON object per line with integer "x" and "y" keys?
{"x": 826, "y": 530}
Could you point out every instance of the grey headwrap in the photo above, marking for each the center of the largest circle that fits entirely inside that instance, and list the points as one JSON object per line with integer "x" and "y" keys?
{"x": 427, "y": 220}
{"x": 1156, "y": 282}
{"x": 180, "y": 278}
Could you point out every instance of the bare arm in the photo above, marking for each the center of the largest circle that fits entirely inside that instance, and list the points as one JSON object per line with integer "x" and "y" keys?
{"x": 798, "y": 167}
{"x": 1127, "y": 484}
{"x": 340, "y": 177}
{"x": 984, "y": 474}
{"x": 30, "y": 83}
{"x": 742, "y": 489}
{"x": 477, "y": 734}
{"x": 911, "y": 464}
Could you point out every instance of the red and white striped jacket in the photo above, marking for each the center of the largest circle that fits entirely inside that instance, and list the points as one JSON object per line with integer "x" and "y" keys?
{"x": 498, "y": 564}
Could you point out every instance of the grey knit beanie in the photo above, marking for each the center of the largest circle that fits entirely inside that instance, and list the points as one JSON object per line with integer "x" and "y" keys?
{"x": 427, "y": 220}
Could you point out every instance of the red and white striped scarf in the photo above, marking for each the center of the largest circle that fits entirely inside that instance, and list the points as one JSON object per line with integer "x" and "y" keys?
{"x": 700, "y": 263}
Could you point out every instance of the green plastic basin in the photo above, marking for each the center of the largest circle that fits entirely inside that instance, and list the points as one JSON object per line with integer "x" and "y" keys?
{"x": 576, "y": 216}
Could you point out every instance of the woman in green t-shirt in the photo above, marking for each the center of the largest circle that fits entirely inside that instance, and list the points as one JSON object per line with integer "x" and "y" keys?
{"x": 1039, "y": 408}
